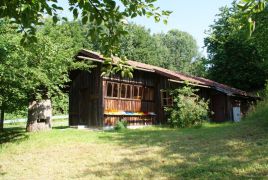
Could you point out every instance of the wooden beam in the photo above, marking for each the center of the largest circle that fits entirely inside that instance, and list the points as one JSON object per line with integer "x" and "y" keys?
{"x": 122, "y": 80}
{"x": 101, "y": 61}
{"x": 143, "y": 69}
{"x": 183, "y": 82}
{"x": 90, "y": 59}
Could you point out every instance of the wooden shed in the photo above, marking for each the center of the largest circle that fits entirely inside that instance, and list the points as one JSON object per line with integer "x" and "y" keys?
{"x": 98, "y": 101}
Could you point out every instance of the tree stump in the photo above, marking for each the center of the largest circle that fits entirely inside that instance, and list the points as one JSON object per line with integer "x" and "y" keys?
{"x": 39, "y": 116}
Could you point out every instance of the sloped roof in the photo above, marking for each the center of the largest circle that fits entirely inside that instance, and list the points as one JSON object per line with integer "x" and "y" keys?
{"x": 90, "y": 55}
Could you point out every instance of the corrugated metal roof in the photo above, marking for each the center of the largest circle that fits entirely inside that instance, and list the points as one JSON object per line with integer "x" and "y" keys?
{"x": 172, "y": 74}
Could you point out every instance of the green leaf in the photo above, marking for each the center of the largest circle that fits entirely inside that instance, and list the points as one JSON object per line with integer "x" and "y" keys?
{"x": 65, "y": 19}
{"x": 55, "y": 19}
{"x": 157, "y": 18}
{"x": 104, "y": 73}
{"x": 149, "y": 14}
{"x": 98, "y": 21}
{"x": 75, "y": 13}
{"x": 134, "y": 15}
{"x": 84, "y": 19}
{"x": 112, "y": 4}
{"x": 123, "y": 74}
{"x": 165, "y": 21}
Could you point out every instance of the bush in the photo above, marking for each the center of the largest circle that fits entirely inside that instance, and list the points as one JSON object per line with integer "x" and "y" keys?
{"x": 188, "y": 110}
{"x": 266, "y": 90}
{"x": 258, "y": 110}
{"x": 60, "y": 104}
{"x": 120, "y": 125}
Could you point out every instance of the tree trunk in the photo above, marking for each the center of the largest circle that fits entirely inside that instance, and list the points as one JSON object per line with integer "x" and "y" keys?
{"x": 2, "y": 117}
{"x": 39, "y": 115}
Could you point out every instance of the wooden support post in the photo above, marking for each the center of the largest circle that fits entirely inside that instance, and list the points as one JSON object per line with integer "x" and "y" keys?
{"x": 2, "y": 117}
{"x": 229, "y": 108}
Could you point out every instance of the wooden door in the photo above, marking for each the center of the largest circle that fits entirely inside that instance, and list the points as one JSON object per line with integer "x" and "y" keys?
{"x": 83, "y": 107}
{"x": 218, "y": 104}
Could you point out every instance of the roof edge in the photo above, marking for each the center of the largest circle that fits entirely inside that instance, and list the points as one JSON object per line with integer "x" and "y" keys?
{"x": 198, "y": 81}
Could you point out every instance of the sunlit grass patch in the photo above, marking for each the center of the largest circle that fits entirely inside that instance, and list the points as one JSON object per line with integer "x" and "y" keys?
{"x": 217, "y": 151}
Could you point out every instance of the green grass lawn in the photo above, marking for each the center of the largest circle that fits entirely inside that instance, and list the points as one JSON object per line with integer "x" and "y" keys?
{"x": 215, "y": 151}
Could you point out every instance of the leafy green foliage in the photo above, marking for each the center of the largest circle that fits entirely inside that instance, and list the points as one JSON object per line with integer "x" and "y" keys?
{"x": 60, "y": 104}
{"x": 35, "y": 72}
{"x": 120, "y": 125}
{"x": 250, "y": 8}
{"x": 266, "y": 89}
{"x": 182, "y": 49}
{"x": 106, "y": 17}
{"x": 140, "y": 45}
{"x": 174, "y": 50}
{"x": 188, "y": 109}
{"x": 199, "y": 67}
{"x": 234, "y": 58}
{"x": 121, "y": 66}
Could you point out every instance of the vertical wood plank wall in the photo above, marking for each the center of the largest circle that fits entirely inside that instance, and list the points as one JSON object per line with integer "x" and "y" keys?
{"x": 85, "y": 98}
{"x": 87, "y": 101}
{"x": 144, "y": 79}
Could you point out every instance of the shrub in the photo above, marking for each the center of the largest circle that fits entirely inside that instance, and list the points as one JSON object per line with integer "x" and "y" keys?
{"x": 188, "y": 110}
{"x": 120, "y": 125}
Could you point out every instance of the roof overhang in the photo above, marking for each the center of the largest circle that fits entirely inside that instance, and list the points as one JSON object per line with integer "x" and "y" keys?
{"x": 171, "y": 75}
{"x": 192, "y": 84}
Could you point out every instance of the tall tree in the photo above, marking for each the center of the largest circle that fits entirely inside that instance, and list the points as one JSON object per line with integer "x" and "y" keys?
{"x": 175, "y": 50}
{"x": 12, "y": 94}
{"x": 140, "y": 45}
{"x": 182, "y": 49}
{"x": 233, "y": 57}
{"x": 35, "y": 72}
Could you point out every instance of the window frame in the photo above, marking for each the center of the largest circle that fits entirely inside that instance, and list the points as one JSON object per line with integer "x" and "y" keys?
{"x": 112, "y": 91}
{"x": 168, "y": 98}
{"x": 130, "y": 90}
{"x": 140, "y": 92}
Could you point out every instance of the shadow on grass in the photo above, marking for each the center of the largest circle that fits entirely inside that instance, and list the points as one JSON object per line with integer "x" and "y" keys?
{"x": 60, "y": 127}
{"x": 216, "y": 151}
{"x": 14, "y": 134}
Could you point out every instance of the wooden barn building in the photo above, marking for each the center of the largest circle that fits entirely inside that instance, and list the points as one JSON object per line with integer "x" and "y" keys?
{"x": 97, "y": 101}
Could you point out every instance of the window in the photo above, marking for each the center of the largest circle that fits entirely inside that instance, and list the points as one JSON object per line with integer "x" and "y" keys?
{"x": 112, "y": 89}
{"x": 109, "y": 89}
{"x": 137, "y": 92}
{"x": 129, "y": 92}
{"x": 115, "y": 90}
{"x": 125, "y": 91}
{"x": 166, "y": 99}
{"x": 148, "y": 94}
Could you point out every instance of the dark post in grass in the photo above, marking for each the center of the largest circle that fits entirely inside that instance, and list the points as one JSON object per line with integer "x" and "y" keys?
{"x": 2, "y": 118}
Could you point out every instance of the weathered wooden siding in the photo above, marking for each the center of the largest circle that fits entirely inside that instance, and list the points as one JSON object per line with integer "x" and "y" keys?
{"x": 141, "y": 79}
{"x": 110, "y": 120}
{"x": 128, "y": 105}
{"x": 88, "y": 100}
{"x": 85, "y": 98}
